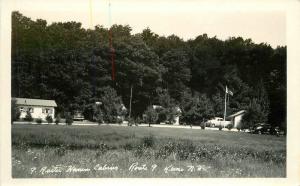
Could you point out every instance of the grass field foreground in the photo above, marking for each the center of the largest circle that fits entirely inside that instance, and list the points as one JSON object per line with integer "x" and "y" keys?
{"x": 114, "y": 151}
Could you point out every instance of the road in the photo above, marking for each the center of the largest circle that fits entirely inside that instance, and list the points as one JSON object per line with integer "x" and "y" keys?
{"x": 88, "y": 123}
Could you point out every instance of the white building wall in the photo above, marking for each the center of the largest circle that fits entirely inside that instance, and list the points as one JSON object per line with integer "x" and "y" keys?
{"x": 238, "y": 120}
{"x": 176, "y": 120}
{"x": 37, "y": 112}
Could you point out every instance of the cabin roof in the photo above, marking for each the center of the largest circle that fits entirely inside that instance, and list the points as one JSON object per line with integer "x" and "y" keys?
{"x": 237, "y": 113}
{"x": 35, "y": 102}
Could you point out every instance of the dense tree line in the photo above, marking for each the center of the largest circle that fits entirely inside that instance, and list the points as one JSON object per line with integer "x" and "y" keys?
{"x": 70, "y": 64}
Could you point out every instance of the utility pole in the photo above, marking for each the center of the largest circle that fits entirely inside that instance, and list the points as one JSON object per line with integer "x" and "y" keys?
{"x": 130, "y": 101}
{"x": 112, "y": 50}
{"x": 225, "y": 104}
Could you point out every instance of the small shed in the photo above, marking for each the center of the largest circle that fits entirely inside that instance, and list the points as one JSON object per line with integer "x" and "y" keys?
{"x": 39, "y": 108}
{"x": 236, "y": 118}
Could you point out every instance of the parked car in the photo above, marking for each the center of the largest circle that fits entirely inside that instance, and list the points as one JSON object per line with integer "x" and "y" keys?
{"x": 277, "y": 131}
{"x": 263, "y": 128}
{"x": 78, "y": 116}
{"x": 217, "y": 122}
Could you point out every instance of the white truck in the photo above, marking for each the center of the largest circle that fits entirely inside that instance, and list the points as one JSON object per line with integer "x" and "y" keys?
{"x": 217, "y": 122}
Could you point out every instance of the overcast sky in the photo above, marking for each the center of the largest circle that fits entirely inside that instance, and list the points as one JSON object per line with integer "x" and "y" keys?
{"x": 264, "y": 22}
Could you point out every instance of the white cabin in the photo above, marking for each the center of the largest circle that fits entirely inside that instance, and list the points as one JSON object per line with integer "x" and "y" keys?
{"x": 236, "y": 118}
{"x": 39, "y": 108}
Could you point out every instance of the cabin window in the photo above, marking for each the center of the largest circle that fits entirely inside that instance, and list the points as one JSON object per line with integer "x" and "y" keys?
{"x": 44, "y": 110}
{"x": 47, "y": 111}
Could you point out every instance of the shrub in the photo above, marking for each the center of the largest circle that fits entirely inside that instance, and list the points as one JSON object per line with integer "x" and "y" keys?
{"x": 202, "y": 125}
{"x": 23, "y": 146}
{"x": 220, "y": 127}
{"x": 138, "y": 120}
{"x": 15, "y": 112}
{"x": 69, "y": 119}
{"x": 139, "y": 151}
{"x": 61, "y": 150}
{"x": 161, "y": 114}
{"x": 184, "y": 149}
{"x": 165, "y": 150}
{"x": 119, "y": 120}
{"x": 131, "y": 121}
{"x": 102, "y": 149}
{"x": 49, "y": 119}
{"x": 57, "y": 119}
{"x": 128, "y": 146}
{"x": 28, "y": 116}
{"x": 148, "y": 141}
{"x": 151, "y": 115}
{"x": 230, "y": 126}
{"x": 38, "y": 121}
{"x": 98, "y": 116}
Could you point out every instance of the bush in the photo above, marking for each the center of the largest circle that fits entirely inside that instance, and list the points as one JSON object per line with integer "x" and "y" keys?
{"x": 184, "y": 149}
{"x": 119, "y": 120}
{"x": 165, "y": 150}
{"x": 49, "y": 119}
{"x": 69, "y": 119}
{"x": 102, "y": 148}
{"x": 220, "y": 127}
{"x": 131, "y": 121}
{"x": 148, "y": 141}
{"x": 230, "y": 126}
{"x": 151, "y": 115}
{"x": 61, "y": 150}
{"x": 202, "y": 125}
{"x": 138, "y": 120}
{"x": 128, "y": 146}
{"x": 28, "y": 116}
{"x": 38, "y": 121}
{"x": 98, "y": 116}
{"x": 15, "y": 112}
{"x": 57, "y": 119}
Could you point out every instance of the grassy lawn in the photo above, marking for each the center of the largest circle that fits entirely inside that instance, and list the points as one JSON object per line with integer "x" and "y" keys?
{"x": 114, "y": 151}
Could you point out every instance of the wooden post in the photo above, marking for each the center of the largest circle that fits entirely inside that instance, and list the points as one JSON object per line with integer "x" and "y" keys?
{"x": 130, "y": 101}
{"x": 225, "y": 106}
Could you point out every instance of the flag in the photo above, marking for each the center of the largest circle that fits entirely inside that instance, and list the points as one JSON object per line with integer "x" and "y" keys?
{"x": 229, "y": 91}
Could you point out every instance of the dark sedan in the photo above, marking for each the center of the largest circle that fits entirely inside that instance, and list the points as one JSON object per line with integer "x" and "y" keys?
{"x": 261, "y": 128}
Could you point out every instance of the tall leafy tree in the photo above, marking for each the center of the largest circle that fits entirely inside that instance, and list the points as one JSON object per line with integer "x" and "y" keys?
{"x": 196, "y": 109}
{"x": 177, "y": 74}
{"x": 72, "y": 65}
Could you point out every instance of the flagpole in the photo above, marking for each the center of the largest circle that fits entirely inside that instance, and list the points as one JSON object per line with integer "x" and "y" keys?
{"x": 225, "y": 104}
{"x": 112, "y": 50}
{"x": 228, "y": 100}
